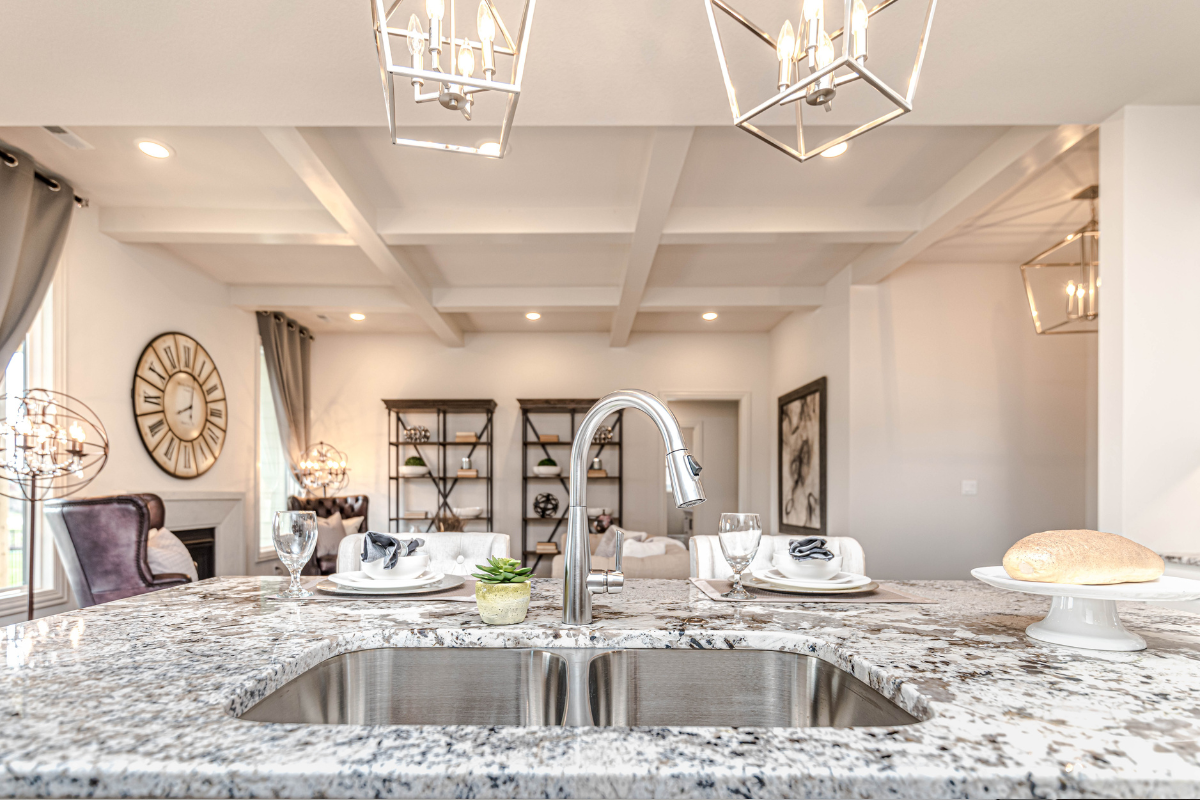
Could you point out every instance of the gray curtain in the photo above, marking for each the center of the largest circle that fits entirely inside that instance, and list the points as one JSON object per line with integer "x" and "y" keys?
{"x": 286, "y": 344}
{"x": 34, "y": 219}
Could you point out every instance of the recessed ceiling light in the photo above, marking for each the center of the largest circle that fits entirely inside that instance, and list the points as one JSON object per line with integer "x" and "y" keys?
{"x": 154, "y": 149}
{"x": 357, "y": 317}
{"x": 490, "y": 149}
{"x": 835, "y": 151}
{"x": 710, "y": 316}
{"x": 533, "y": 315}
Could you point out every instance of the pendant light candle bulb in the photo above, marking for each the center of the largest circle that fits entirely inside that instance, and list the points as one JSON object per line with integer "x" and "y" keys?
{"x": 435, "y": 8}
{"x": 487, "y": 25}
{"x": 466, "y": 60}
{"x": 858, "y": 30}
{"x": 824, "y": 51}
{"x": 416, "y": 36}
{"x": 812, "y": 29}
{"x": 784, "y": 49}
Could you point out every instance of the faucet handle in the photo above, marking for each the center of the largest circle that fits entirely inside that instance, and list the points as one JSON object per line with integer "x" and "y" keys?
{"x": 611, "y": 581}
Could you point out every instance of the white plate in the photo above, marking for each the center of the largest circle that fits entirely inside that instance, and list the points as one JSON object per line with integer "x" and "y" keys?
{"x": 447, "y": 582}
{"x": 769, "y": 586}
{"x": 360, "y": 580}
{"x": 1084, "y": 615}
{"x": 843, "y": 580}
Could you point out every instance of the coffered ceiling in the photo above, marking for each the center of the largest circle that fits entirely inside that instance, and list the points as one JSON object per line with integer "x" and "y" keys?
{"x": 627, "y": 202}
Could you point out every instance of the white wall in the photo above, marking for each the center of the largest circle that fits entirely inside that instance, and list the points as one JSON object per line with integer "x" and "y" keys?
{"x": 1149, "y": 431}
{"x": 118, "y": 298}
{"x": 808, "y": 345}
{"x": 950, "y": 383}
{"x": 714, "y": 426}
{"x": 354, "y": 372}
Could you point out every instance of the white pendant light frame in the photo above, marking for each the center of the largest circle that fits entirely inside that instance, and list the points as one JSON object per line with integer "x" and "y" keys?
{"x": 388, "y": 69}
{"x": 795, "y": 91}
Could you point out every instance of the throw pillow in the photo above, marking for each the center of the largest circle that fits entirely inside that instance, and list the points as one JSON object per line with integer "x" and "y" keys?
{"x": 608, "y": 545}
{"x": 352, "y": 524}
{"x": 651, "y": 547}
{"x": 330, "y": 532}
{"x": 167, "y": 554}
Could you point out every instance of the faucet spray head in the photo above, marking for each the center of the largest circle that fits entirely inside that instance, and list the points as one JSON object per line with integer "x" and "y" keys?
{"x": 685, "y": 479}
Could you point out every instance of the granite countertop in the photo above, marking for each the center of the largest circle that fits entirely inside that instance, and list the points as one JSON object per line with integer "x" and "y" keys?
{"x": 137, "y": 698}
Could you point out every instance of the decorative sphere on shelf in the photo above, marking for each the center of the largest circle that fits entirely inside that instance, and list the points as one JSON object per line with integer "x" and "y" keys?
{"x": 546, "y": 505}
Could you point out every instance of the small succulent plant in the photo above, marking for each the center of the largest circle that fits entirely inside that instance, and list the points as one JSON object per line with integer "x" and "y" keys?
{"x": 547, "y": 462}
{"x": 502, "y": 570}
{"x": 414, "y": 461}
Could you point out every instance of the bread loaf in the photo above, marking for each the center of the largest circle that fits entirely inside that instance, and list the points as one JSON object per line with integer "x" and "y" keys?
{"x": 1088, "y": 557}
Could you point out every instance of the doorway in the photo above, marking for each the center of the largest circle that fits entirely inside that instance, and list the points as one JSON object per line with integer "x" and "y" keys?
{"x": 711, "y": 432}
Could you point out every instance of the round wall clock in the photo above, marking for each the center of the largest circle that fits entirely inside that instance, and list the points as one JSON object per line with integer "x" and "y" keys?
{"x": 179, "y": 403}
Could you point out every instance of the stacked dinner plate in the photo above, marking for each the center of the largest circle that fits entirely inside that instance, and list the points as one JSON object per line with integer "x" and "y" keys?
{"x": 361, "y": 583}
{"x": 842, "y": 583}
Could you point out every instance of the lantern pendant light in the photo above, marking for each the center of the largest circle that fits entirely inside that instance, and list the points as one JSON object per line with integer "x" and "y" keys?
{"x": 451, "y": 78}
{"x": 1062, "y": 282}
{"x": 811, "y": 49}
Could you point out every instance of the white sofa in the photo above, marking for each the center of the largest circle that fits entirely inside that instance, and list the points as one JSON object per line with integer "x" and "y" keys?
{"x": 707, "y": 561}
{"x": 672, "y": 564}
{"x": 452, "y": 553}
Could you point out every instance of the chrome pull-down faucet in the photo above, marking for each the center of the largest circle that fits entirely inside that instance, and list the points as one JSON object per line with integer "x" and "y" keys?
{"x": 579, "y": 582}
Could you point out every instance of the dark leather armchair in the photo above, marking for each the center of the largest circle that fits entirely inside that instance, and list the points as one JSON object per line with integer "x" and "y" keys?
{"x": 354, "y": 505}
{"x": 102, "y": 543}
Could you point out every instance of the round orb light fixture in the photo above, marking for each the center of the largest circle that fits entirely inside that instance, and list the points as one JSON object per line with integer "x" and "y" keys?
{"x": 357, "y": 317}
{"x": 533, "y": 315}
{"x": 154, "y": 149}
{"x": 709, "y": 316}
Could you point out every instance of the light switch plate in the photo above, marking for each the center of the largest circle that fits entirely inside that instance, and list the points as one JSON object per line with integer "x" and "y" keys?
{"x": 970, "y": 487}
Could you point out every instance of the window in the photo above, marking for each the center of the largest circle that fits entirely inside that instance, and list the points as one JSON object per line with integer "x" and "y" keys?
{"x": 32, "y": 366}
{"x": 275, "y": 481}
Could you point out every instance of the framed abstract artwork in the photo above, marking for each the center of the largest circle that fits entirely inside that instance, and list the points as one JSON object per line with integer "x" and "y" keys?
{"x": 802, "y": 459}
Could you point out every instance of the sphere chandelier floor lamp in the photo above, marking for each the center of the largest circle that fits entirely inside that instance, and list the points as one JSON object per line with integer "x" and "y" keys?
{"x": 323, "y": 468}
{"x": 51, "y": 446}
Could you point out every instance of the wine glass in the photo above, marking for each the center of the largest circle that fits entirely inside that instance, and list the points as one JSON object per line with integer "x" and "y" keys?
{"x": 295, "y": 537}
{"x": 740, "y": 535}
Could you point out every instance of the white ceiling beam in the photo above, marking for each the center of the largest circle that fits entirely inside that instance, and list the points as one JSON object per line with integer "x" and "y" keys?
{"x": 510, "y": 226}
{"x": 988, "y": 179}
{"x": 668, "y": 151}
{"x": 741, "y": 225}
{"x": 309, "y": 154}
{"x": 424, "y": 226}
{"x": 705, "y": 298}
{"x": 222, "y": 226}
{"x": 316, "y": 298}
{"x": 468, "y": 299}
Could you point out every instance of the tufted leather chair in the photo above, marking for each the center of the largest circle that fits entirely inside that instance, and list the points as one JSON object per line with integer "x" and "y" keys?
{"x": 102, "y": 544}
{"x": 709, "y": 562}
{"x": 452, "y": 553}
{"x": 354, "y": 505}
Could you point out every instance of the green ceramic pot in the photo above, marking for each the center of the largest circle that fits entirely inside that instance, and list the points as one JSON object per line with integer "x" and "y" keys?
{"x": 502, "y": 603}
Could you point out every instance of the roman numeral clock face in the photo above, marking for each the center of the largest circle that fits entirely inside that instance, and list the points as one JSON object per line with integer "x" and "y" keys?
{"x": 179, "y": 402}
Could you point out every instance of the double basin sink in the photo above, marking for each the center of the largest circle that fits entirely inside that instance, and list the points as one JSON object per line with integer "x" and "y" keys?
{"x": 578, "y": 687}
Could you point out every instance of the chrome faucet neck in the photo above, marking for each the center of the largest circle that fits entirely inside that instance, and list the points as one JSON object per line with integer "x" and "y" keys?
{"x": 577, "y": 556}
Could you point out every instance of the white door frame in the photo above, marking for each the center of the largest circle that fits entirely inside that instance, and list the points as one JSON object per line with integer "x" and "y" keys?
{"x": 743, "y": 401}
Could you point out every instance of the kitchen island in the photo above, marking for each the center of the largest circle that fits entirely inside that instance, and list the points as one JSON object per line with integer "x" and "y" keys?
{"x": 138, "y": 698}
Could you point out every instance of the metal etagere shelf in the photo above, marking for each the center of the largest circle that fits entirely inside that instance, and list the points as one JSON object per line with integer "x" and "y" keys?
{"x": 441, "y": 454}
{"x": 548, "y": 529}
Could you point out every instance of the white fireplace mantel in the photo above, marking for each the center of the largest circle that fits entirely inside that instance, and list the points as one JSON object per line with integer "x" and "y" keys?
{"x": 223, "y": 511}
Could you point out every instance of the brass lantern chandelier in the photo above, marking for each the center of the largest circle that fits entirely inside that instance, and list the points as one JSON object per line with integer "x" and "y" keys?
{"x": 1063, "y": 281}
{"x": 811, "y": 47}
{"x": 450, "y": 80}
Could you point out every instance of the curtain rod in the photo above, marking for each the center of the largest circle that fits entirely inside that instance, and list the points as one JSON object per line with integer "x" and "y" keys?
{"x": 10, "y": 160}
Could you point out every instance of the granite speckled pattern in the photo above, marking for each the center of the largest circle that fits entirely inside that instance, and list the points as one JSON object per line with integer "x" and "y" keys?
{"x": 137, "y": 698}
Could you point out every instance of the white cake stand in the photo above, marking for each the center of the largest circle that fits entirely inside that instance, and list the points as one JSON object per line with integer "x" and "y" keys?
{"x": 1086, "y": 616}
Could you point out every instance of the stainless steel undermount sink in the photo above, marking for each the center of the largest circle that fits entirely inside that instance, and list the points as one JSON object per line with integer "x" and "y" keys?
{"x": 578, "y": 687}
